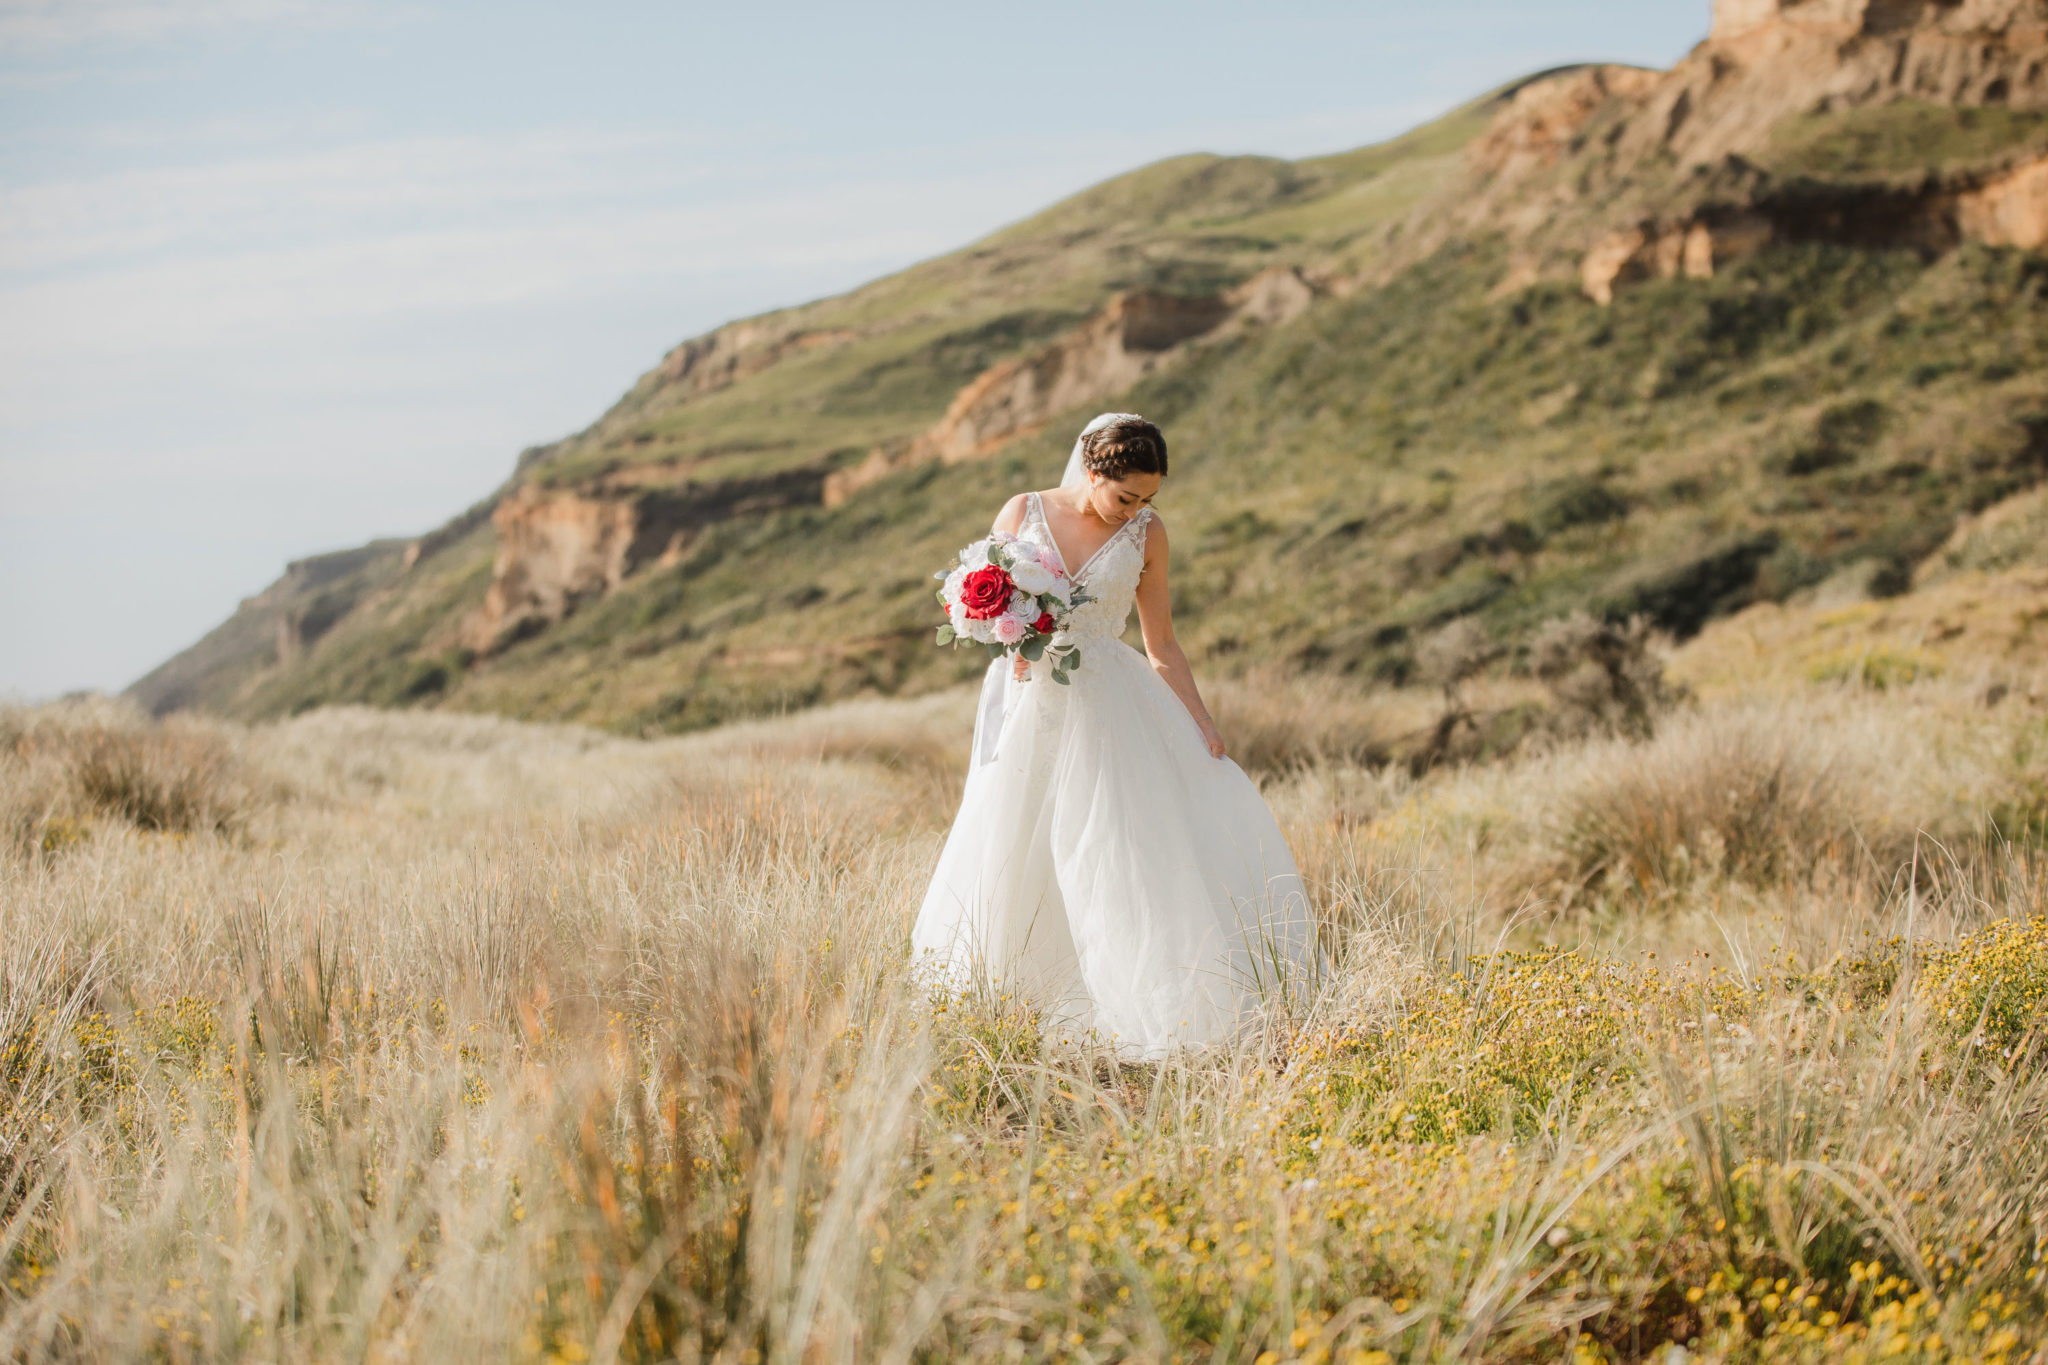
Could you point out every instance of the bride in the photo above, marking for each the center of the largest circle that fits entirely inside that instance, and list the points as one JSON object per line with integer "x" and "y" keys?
{"x": 1108, "y": 862}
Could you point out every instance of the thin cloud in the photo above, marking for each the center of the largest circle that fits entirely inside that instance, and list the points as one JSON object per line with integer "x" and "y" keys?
{"x": 42, "y": 25}
{"x": 199, "y": 298}
{"x": 345, "y": 191}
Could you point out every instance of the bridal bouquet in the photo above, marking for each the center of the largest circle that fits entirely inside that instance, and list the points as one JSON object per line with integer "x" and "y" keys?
{"x": 1007, "y": 595}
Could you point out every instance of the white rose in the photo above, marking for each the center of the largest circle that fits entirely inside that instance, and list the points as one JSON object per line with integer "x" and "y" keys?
{"x": 951, "y": 588}
{"x": 975, "y": 556}
{"x": 1033, "y": 576}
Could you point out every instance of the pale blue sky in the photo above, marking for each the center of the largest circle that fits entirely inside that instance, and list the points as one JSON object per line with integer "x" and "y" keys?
{"x": 278, "y": 276}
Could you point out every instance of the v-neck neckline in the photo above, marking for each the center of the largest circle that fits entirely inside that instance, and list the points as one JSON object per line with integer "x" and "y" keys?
{"x": 1073, "y": 575}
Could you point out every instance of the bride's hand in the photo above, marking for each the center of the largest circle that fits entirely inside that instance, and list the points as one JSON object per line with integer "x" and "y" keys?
{"x": 1022, "y": 669}
{"x": 1213, "y": 738}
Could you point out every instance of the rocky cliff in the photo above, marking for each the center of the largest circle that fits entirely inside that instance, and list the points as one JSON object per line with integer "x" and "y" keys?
{"x": 1656, "y": 174}
{"x": 1137, "y": 335}
{"x": 1626, "y": 339}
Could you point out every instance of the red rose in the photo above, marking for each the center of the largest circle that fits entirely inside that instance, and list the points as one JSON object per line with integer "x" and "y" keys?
{"x": 1043, "y": 625}
{"x": 985, "y": 593}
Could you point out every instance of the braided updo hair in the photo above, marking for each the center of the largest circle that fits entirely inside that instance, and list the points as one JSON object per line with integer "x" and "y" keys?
{"x": 1127, "y": 446}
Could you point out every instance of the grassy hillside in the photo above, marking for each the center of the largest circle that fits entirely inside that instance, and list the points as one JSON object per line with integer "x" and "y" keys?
{"x": 1396, "y": 460}
{"x": 1425, "y": 443}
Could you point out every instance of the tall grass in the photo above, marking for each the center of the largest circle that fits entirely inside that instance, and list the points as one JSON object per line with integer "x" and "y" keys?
{"x": 464, "y": 1039}
{"x": 68, "y": 764}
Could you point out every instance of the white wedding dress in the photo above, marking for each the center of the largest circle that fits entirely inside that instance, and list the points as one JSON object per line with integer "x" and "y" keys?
{"x": 1103, "y": 866}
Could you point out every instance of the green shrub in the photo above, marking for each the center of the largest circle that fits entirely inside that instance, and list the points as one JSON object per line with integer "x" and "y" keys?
{"x": 1990, "y": 989}
{"x": 1500, "y": 1044}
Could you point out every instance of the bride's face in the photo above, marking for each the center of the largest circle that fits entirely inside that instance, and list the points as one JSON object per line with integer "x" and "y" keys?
{"x": 1116, "y": 500}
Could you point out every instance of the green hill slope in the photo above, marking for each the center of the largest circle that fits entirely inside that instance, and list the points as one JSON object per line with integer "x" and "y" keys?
{"x": 1393, "y": 399}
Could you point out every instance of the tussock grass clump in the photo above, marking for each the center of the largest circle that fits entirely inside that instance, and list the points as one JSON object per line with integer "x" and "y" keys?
{"x": 62, "y": 768}
{"x": 175, "y": 779}
{"x": 1751, "y": 802}
{"x": 1280, "y": 725}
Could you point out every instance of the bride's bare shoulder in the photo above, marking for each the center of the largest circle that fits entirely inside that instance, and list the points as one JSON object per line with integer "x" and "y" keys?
{"x": 1155, "y": 536}
{"x": 1012, "y": 515}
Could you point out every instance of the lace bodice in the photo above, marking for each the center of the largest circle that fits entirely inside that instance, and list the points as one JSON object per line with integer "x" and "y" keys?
{"x": 1109, "y": 578}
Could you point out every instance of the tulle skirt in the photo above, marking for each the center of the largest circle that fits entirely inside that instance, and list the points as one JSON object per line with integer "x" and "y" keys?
{"x": 1104, "y": 867}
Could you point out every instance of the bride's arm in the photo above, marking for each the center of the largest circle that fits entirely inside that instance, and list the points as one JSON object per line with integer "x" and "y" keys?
{"x": 1155, "y": 616}
{"x": 1008, "y": 522}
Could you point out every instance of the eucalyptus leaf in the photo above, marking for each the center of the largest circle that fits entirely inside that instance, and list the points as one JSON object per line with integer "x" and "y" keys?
{"x": 945, "y": 635}
{"x": 1059, "y": 677}
{"x": 1072, "y": 661}
{"x": 1033, "y": 650}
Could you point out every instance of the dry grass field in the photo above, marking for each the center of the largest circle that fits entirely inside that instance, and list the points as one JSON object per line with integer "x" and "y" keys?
{"x": 413, "y": 1037}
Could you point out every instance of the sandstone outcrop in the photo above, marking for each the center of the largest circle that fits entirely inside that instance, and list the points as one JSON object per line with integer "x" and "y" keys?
{"x": 2010, "y": 211}
{"x": 1766, "y": 60}
{"x": 1541, "y": 119}
{"x": 1137, "y": 334}
{"x": 561, "y": 547}
{"x": 1690, "y": 248}
{"x": 736, "y": 351}
{"x": 2007, "y": 209}
{"x": 1569, "y": 146}
{"x": 1121, "y": 345}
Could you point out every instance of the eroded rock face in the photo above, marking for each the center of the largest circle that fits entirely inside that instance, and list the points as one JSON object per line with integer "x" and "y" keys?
{"x": 1540, "y": 120}
{"x": 1735, "y": 19}
{"x": 1130, "y": 339}
{"x": 1766, "y": 60}
{"x": 1714, "y": 113}
{"x": 2010, "y": 211}
{"x": 1133, "y": 337}
{"x": 1691, "y": 248}
{"x": 1120, "y": 346}
{"x": 1272, "y": 297}
{"x": 733, "y": 352}
{"x": 561, "y": 547}
{"x": 556, "y": 549}
{"x": 1682, "y": 156}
